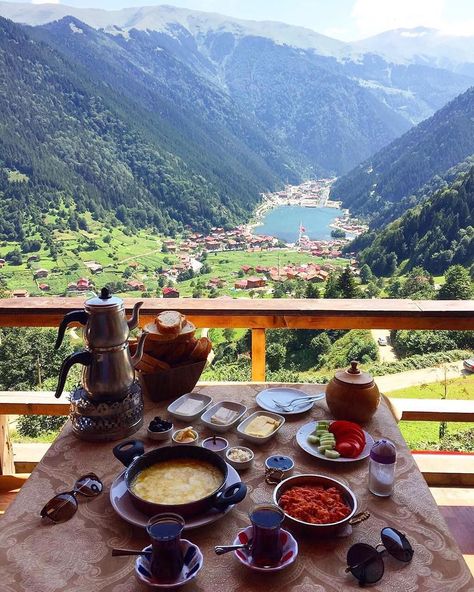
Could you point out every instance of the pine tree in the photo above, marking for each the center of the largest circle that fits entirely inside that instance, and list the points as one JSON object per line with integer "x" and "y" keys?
{"x": 346, "y": 284}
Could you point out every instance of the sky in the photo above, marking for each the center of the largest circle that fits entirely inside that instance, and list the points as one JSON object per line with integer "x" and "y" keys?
{"x": 347, "y": 20}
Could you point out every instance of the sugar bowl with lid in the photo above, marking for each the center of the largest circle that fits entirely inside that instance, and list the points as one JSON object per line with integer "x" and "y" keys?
{"x": 353, "y": 395}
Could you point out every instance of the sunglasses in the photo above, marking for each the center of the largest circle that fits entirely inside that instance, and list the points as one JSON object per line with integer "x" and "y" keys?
{"x": 365, "y": 562}
{"x": 63, "y": 506}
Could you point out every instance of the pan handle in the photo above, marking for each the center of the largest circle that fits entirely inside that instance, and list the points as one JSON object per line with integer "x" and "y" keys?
{"x": 128, "y": 451}
{"x": 231, "y": 495}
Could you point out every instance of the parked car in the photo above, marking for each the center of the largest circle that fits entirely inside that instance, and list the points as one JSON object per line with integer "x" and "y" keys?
{"x": 382, "y": 341}
{"x": 469, "y": 364}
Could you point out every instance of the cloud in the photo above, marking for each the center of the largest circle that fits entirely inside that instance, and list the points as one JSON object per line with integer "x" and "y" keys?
{"x": 374, "y": 16}
{"x": 44, "y": 1}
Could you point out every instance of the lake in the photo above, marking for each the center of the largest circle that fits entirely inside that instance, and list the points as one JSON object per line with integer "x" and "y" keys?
{"x": 283, "y": 222}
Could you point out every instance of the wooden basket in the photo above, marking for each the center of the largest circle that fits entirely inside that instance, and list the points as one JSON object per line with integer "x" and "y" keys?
{"x": 172, "y": 383}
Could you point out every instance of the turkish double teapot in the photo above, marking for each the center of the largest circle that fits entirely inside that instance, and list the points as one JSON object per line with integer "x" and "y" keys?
{"x": 109, "y": 369}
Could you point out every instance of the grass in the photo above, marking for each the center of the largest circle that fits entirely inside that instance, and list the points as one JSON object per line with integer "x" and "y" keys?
{"x": 416, "y": 432}
{"x": 117, "y": 254}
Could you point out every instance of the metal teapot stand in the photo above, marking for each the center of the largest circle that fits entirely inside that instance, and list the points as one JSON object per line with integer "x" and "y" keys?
{"x": 106, "y": 420}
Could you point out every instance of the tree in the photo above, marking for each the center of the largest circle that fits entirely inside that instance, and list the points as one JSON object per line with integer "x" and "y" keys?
{"x": 419, "y": 285}
{"x": 332, "y": 287}
{"x": 14, "y": 257}
{"x": 338, "y": 233}
{"x": 365, "y": 274}
{"x": 312, "y": 291}
{"x": 320, "y": 345}
{"x": 229, "y": 334}
{"x": 276, "y": 354}
{"x": 346, "y": 284}
{"x": 457, "y": 284}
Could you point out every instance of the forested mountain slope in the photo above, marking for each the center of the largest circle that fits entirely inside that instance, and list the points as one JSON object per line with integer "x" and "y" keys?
{"x": 324, "y": 105}
{"x": 434, "y": 235}
{"x": 73, "y": 138}
{"x": 403, "y": 167}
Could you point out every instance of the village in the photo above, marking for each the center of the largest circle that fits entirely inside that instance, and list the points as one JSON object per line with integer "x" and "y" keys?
{"x": 168, "y": 269}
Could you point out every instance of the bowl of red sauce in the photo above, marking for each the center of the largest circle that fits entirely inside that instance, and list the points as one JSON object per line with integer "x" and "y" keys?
{"x": 317, "y": 503}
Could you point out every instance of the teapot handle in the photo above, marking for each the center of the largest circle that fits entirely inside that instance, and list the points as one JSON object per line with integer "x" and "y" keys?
{"x": 82, "y": 357}
{"x": 75, "y": 316}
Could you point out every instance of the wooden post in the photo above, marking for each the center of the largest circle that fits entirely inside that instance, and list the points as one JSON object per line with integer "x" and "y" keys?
{"x": 258, "y": 355}
{"x": 7, "y": 466}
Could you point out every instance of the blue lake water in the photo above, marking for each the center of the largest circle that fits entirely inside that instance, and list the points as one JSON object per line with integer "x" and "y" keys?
{"x": 283, "y": 222}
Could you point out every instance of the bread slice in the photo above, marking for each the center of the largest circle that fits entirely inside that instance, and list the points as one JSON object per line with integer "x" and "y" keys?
{"x": 170, "y": 322}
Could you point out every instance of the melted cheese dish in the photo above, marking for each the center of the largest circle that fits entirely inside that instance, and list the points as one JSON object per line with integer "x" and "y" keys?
{"x": 177, "y": 481}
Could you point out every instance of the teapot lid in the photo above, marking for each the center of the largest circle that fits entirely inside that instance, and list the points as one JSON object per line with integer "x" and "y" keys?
{"x": 354, "y": 376}
{"x": 104, "y": 300}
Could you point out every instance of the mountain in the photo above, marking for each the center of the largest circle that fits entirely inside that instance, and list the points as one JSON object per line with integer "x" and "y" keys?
{"x": 322, "y": 121}
{"x": 402, "y": 168}
{"x": 434, "y": 235}
{"x": 326, "y": 105}
{"x": 423, "y": 45}
{"x": 70, "y": 142}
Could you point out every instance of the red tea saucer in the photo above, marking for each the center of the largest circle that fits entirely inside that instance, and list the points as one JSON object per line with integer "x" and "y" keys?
{"x": 289, "y": 555}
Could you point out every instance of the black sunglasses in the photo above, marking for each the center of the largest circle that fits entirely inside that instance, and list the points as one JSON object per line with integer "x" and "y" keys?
{"x": 365, "y": 562}
{"x": 64, "y": 505}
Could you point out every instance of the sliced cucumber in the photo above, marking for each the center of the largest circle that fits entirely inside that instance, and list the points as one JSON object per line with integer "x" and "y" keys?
{"x": 331, "y": 453}
{"x": 322, "y": 449}
{"x": 313, "y": 439}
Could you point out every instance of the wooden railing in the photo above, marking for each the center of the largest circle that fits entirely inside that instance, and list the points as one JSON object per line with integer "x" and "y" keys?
{"x": 254, "y": 314}
{"x": 261, "y": 314}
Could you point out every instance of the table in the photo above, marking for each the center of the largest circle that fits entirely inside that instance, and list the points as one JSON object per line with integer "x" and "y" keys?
{"x": 75, "y": 556}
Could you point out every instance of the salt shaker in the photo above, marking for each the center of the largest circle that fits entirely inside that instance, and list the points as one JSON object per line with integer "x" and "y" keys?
{"x": 383, "y": 457}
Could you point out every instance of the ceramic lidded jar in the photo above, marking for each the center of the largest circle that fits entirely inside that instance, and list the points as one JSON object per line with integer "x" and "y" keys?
{"x": 352, "y": 395}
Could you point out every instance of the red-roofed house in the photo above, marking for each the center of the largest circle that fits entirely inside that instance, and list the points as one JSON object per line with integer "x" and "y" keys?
{"x": 136, "y": 285}
{"x": 256, "y": 282}
{"x": 240, "y": 284}
{"x": 170, "y": 293}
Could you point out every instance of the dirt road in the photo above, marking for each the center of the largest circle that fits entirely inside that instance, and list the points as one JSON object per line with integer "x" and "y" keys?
{"x": 392, "y": 382}
{"x": 386, "y": 352}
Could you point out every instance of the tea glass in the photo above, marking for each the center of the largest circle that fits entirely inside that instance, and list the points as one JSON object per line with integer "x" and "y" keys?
{"x": 166, "y": 554}
{"x": 267, "y": 547}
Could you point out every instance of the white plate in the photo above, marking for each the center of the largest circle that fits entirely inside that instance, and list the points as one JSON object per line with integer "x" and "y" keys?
{"x": 256, "y": 439}
{"x": 305, "y": 431}
{"x": 283, "y": 395}
{"x": 206, "y": 400}
{"x": 206, "y": 416}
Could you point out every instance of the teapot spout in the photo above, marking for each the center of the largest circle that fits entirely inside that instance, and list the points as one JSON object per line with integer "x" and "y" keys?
{"x": 133, "y": 320}
{"x": 139, "y": 353}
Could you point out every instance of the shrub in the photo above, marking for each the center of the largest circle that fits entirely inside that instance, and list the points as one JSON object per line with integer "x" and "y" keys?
{"x": 37, "y": 425}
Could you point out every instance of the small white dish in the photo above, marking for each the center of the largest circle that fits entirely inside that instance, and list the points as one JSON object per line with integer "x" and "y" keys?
{"x": 206, "y": 416}
{"x": 216, "y": 444}
{"x": 193, "y": 561}
{"x": 265, "y": 399}
{"x": 257, "y": 439}
{"x": 193, "y": 443}
{"x": 205, "y": 401}
{"x": 289, "y": 555}
{"x": 160, "y": 436}
{"x": 237, "y": 464}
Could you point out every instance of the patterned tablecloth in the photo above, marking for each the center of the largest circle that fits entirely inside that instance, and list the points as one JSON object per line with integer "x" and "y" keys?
{"x": 75, "y": 556}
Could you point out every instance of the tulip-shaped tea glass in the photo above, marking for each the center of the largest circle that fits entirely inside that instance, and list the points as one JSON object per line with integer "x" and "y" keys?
{"x": 166, "y": 555}
{"x": 266, "y": 548}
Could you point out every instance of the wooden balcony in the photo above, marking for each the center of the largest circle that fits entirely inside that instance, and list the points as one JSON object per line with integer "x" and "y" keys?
{"x": 258, "y": 316}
